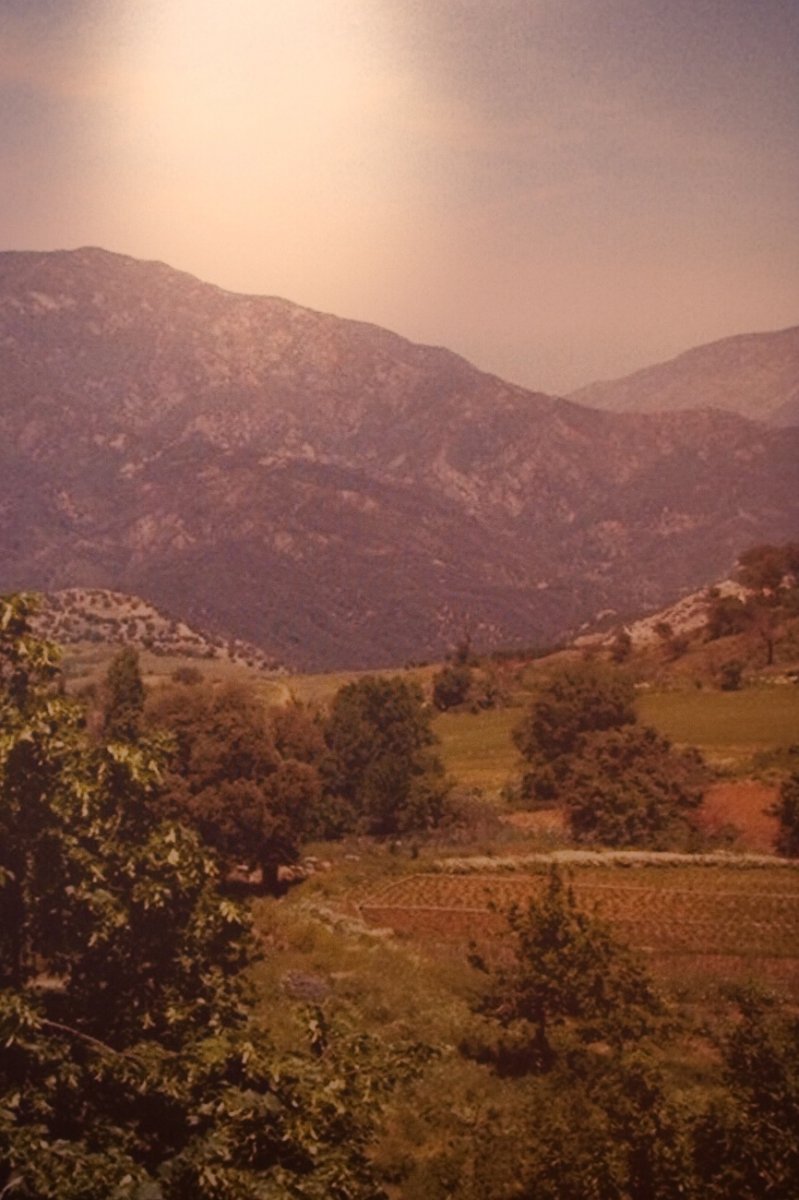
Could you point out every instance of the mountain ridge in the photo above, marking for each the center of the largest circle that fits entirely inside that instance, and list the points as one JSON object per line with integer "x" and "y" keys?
{"x": 331, "y": 491}
{"x": 754, "y": 374}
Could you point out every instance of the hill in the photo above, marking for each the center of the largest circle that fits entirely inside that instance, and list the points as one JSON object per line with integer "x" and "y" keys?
{"x": 77, "y": 615}
{"x": 756, "y": 375}
{"x": 331, "y": 492}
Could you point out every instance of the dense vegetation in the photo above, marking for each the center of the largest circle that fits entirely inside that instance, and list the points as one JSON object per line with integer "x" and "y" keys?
{"x": 131, "y": 1066}
{"x": 149, "y": 1054}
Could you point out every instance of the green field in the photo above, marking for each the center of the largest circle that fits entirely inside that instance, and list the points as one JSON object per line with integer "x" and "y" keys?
{"x": 477, "y": 749}
{"x": 729, "y": 727}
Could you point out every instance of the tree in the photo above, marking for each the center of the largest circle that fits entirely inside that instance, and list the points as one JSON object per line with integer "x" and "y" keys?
{"x": 731, "y": 674}
{"x": 726, "y": 615}
{"x": 769, "y": 573}
{"x": 582, "y": 699}
{"x": 567, "y": 967}
{"x": 452, "y": 685}
{"x": 229, "y": 781}
{"x": 786, "y": 810}
{"x": 764, "y": 568}
{"x": 382, "y": 762}
{"x": 130, "y": 1067}
{"x": 123, "y": 696}
{"x": 745, "y": 1145}
{"x": 630, "y": 787}
{"x": 621, "y": 783}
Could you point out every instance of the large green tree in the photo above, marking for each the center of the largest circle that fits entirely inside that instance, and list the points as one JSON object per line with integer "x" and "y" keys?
{"x": 630, "y": 787}
{"x": 228, "y": 779}
{"x": 621, "y": 783}
{"x": 382, "y": 761}
{"x": 130, "y": 1068}
{"x": 582, "y": 699}
{"x": 123, "y": 696}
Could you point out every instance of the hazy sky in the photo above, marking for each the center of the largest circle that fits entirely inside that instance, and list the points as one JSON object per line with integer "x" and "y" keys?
{"x": 560, "y": 190}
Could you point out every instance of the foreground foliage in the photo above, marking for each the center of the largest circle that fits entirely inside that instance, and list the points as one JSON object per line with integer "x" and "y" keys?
{"x": 130, "y": 1066}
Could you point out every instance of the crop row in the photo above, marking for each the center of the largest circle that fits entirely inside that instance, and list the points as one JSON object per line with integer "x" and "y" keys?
{"x": 658, "y": 919}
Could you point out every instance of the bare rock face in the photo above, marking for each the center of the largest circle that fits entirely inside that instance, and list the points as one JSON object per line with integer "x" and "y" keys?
{"x": 755, "y": 375}
{"x": 332, "y": 492}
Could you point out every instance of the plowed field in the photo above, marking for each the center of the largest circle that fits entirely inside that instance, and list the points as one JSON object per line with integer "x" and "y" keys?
{"x": 734, "y": 923}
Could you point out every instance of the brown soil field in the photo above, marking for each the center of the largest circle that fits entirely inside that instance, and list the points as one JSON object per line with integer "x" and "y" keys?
{"x": 742, "y": 803}
{"x": 720, "y": 924}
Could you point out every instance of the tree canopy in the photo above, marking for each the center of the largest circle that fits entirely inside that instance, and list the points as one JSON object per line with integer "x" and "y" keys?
{"x": 621, "y": 783}
{"x": 123, "y": 696}
{"x": 630, "y": 787}
{"x": 382, "y": 761}
{"x": 582, "y": 698}
{"x": 567, "y": 966}
{"x": 251, "y": 800}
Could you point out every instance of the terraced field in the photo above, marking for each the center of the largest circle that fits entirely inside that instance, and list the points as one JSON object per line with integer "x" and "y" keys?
{"x": 732, "y": 923}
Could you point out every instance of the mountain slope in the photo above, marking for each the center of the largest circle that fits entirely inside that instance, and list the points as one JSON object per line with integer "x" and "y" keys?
{"x": 331, "y": 492}
{"x": 756, "y": 375}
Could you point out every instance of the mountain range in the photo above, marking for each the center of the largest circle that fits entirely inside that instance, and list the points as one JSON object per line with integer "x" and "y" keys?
{"x": 754, "y": 374}
{"x": 331, "y": 492}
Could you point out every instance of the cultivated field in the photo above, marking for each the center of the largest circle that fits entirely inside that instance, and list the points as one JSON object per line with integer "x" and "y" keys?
{"x": 722, "y": 923}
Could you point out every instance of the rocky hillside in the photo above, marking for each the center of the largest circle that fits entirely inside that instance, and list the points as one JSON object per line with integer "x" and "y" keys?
{"x": 756, "y": 375}
{"x": 98, "y": 615}
{"x": 332, "y": 492}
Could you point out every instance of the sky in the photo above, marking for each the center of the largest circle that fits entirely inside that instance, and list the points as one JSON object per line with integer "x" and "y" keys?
{"x": 559, "y": 190}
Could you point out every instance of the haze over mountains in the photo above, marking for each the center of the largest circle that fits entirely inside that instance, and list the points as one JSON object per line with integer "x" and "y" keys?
{"x": 754, "y": 374}
{"x": 331, "y": 492}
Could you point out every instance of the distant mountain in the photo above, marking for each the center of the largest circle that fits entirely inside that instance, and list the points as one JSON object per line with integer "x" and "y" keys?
{"x": 331, "y": 492}
{"x": 756, "y": 375}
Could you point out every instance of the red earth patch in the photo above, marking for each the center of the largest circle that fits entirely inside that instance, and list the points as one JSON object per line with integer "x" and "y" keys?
{"x": 742, "y": 803}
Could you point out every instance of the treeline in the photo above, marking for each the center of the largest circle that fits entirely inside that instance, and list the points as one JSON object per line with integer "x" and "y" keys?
{"x": 258, "y": 782}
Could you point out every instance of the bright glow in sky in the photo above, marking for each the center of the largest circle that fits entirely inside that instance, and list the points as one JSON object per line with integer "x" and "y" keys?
{"x": 560, "y": 190}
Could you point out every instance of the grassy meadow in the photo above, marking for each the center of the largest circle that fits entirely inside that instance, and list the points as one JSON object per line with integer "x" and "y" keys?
{"x": 730, "y": 728}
